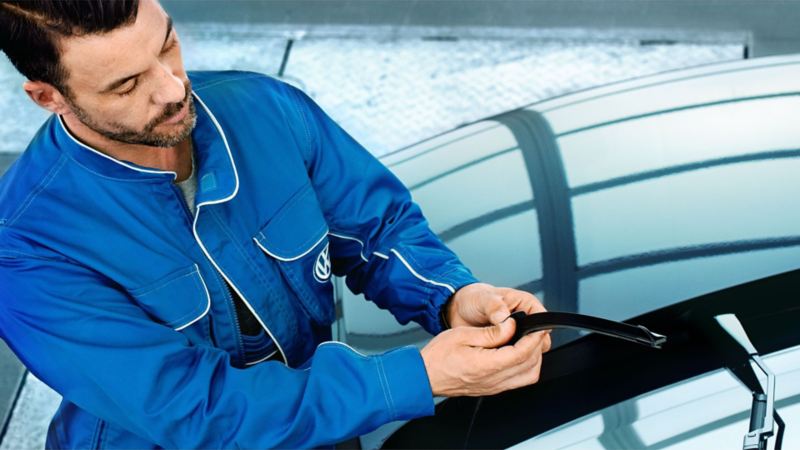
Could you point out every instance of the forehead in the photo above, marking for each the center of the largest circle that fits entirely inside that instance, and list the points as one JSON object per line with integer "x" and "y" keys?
{"x": 94, "y": 60}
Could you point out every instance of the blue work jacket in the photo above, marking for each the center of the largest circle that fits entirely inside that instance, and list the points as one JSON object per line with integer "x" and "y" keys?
{"x": 114, "y": 294}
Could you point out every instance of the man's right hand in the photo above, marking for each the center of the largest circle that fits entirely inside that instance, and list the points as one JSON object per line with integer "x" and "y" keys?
{"x": 473, "y": 361}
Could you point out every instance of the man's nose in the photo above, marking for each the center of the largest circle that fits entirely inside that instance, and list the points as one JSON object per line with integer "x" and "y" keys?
{"x": 170, "y": 87}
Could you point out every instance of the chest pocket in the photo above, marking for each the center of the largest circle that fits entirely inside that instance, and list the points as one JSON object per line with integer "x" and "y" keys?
{"x": 296, "y": 238}
{"x": 177, "y": 300}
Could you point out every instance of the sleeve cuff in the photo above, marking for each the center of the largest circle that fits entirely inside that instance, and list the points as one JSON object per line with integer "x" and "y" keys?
{"x": 406, "y": 384}
{"x": 456, "y": 279}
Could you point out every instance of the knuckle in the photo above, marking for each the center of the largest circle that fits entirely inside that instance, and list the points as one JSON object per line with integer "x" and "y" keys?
{"x": 519, "y": 357}
{"x": 490, "y": 333}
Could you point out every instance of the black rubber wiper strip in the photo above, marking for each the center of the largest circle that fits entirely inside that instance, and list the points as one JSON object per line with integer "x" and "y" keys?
{"x": 552, "y": 320}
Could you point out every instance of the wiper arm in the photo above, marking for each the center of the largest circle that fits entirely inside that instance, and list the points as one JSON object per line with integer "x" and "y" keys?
{"x": 551, "y": 320}
{"x": 763, "y": 414}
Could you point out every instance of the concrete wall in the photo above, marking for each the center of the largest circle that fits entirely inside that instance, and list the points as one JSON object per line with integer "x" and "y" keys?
{"x": 772, "y": 27}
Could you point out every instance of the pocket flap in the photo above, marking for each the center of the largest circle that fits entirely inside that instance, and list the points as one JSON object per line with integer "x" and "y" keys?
{"x": 296, "y": 229}
{"x": 178, "y": 299}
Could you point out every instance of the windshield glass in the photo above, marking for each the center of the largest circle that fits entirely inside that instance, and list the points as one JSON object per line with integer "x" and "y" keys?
{"x": 708, "y": 411}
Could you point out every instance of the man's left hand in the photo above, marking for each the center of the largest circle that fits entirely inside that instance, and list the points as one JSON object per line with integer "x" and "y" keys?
{"x": 481, "y": 304}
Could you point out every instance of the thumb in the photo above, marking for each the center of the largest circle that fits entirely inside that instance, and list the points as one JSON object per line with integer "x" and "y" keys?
{"x": 498, "y": 311}
{"x": 492, "y": 336}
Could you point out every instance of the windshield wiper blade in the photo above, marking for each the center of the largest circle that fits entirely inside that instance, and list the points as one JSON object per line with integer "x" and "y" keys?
{"x": 527, "y": 324}
{"x": 763, "y": 414}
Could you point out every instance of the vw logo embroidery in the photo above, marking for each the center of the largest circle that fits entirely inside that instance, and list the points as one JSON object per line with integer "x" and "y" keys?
{"x": 322, "y": 266}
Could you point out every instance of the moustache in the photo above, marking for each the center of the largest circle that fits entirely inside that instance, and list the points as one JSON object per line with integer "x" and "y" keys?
{"x": 172, "y": 108}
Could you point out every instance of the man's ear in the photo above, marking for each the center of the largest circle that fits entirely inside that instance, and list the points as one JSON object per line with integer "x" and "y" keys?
{"x": 46, "y": 96}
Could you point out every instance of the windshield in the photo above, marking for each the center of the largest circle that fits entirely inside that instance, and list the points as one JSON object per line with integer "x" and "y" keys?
{"x": 708, "y": 411}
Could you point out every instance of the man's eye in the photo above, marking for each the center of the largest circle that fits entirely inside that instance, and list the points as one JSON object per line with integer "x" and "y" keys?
{"x": 170, "y": 46}
{"x": 130, "y": 90}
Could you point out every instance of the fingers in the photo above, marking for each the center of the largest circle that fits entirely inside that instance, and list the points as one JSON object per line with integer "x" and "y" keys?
{"x": 547, "y": 343}
{"x": 527, "y": 349}
{"x": 496, "y": 310}
{"x": 523, "y": 378}
{"x": 489, "y": 337}
{"x": 522, "y": 301}
{"x": 474, "y": 361}
{"x": 527, "y": 364}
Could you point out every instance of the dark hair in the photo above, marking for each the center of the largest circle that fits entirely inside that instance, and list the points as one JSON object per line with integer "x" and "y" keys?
{"x": 30, "y": 30}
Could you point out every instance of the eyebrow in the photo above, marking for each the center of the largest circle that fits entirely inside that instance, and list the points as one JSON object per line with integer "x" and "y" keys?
{"x": 119, "y": 82}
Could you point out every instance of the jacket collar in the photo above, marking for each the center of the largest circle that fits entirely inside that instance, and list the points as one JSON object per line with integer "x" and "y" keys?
{"x": 217, "y": 177}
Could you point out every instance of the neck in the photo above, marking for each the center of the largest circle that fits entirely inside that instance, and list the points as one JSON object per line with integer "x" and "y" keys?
{"x": 175, "y": 159}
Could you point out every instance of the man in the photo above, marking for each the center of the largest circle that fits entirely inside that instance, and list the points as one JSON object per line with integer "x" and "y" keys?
{"x": 167, "y": 242}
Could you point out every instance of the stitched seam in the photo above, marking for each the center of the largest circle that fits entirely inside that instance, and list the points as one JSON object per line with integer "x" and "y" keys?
{"x": 389, "y": 389}
{"x": 266, "y": 282}
{"x": 294, "y": 251}
{"x": 383, "y": 385}
{"x": 293, "y": 198}
{"x": 299, "y": 109}
{"x": 348, "y": 237}
{"x": 417, "y": 267}
{"x": 300, "y": 249}
{"x": 199, "y": 308}
{"x": 433, "y": 311}
{"x": 209, "y": 84}
{"x": 281, "y": 268}
{"x": 387, "y": 394}
{"x": 149, "y": 289}
{"x": 302, "y": 291}
{"x": 192, "y": 314}
{"x": 346, "y": 347}
{"x": 427, "y": 288}
{"x": 51, "y": 175}
{"x": 289, "y": 121}
{"x": 143, "y": 179}
{"x": 252, "y": 262}
{"x": 14, "y": 254}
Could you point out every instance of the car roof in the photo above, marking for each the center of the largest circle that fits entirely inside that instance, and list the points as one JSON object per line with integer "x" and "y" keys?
{"x": 613, "y": 200}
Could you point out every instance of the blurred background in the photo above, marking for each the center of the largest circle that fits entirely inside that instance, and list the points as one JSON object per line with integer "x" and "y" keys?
{"x": 393, "y": 73}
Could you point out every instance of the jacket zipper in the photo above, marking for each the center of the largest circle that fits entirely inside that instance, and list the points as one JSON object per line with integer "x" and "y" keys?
{"x": 232, "y": 310}
{"x": 227, "y": 291}
{"x": 230, "y": 284}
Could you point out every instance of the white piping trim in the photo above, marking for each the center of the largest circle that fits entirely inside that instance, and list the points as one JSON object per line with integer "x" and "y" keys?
{"x": 208, "y": 297}
{"x": 380, "y": 255}
{"x": 293, "y": 258}
{"x": 64, "y": 127}
{"x": 200, "y": 242}
{"x": 341, "y": 236}
{"x": 343, "y": 345}
{"x": 413, "y": 272}
{"x": 262, "y": 359}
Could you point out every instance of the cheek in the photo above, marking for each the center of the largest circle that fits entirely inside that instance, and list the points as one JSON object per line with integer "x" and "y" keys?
{"x": 126, "y": 112}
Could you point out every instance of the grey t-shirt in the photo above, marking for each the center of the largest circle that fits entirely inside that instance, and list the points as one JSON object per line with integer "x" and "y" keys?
{"x": 189, "y": 187}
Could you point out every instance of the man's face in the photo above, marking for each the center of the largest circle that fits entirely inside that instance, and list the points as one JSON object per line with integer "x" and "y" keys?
{"x": 129, "y": 85}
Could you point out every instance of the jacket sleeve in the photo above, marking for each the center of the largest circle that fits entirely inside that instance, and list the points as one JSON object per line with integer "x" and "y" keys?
{"x": 83, "y": 336}
{"x": 379, "y": 238}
